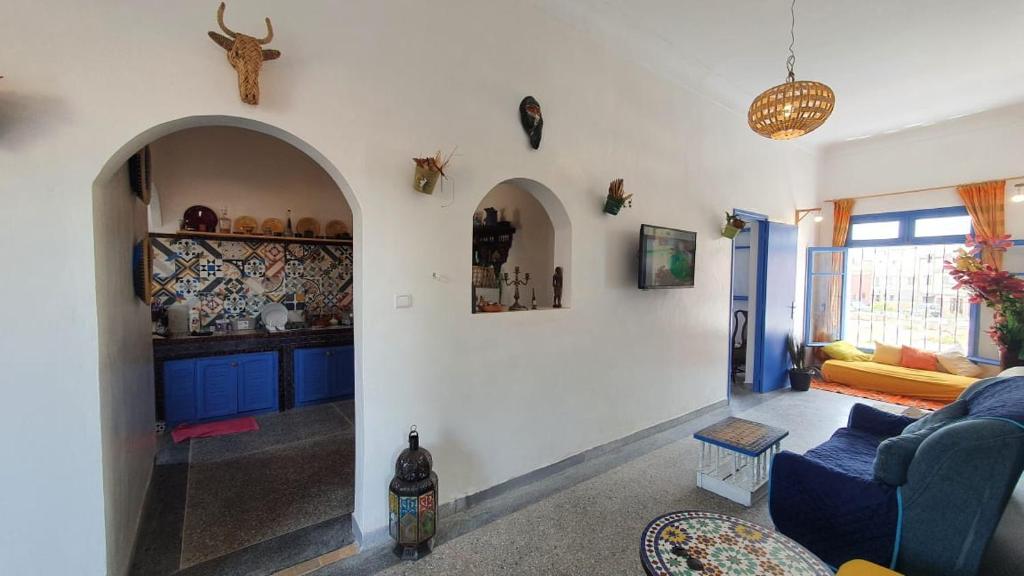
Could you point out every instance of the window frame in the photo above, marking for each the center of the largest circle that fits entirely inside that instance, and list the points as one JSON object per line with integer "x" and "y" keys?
{"x": 906, "y": 221}
{"x": 906, "y": 237}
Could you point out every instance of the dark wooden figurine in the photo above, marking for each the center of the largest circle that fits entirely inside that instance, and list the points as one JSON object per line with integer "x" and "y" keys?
{"x": 533, "y": 121}
{"x": 556, "y": 283}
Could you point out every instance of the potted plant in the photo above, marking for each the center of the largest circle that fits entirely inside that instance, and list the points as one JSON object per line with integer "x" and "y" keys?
{"x": 617, "y": 198}
{"x": 733, "y": 225}
{"x": 800, "y": 374}
{"x": 999, "y": 290}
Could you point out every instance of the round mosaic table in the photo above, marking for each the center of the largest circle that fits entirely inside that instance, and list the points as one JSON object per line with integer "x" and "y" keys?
{"x": 704, "y": 543}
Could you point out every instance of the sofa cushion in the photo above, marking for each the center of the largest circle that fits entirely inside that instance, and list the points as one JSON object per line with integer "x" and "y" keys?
{"x": 895, "y": 454}
{"x": 843, "y": 350}
{"x": 911, "y": 357}
{"x": 886, "y": 354}
{"x": 849, "y": 451}
{"x": 957, "y": 363}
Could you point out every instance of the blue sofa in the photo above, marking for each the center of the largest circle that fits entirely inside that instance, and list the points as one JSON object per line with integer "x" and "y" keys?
{"x": 922, "y": 497}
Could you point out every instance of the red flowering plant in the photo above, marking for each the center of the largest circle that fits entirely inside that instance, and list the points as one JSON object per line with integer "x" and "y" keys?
{"x": 1001, "y": 291}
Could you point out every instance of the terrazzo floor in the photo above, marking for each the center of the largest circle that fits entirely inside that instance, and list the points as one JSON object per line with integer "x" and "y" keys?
{"x": 587, "y": 519}
{"x": 231, "y": 504}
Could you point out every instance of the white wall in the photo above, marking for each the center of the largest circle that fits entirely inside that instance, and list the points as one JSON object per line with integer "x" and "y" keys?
{"x": 533, "y": 245}
{"x": 125, "y": 368}
{"x": 247, "y": 172}
{"x": 365, "y": 86}
{"x": 976, "y": 148}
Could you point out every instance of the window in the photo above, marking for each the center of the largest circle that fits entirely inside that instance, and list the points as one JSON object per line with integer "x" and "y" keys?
{"x": 889, "y": 284}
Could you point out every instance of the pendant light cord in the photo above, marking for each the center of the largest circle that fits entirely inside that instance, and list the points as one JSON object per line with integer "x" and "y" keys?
{"x": 791, "y": 61}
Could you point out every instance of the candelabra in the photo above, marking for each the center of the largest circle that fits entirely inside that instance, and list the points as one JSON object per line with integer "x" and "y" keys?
{"x": 517, "y": 283}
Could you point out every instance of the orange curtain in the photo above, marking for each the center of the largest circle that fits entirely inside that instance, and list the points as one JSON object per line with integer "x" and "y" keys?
{"x": 841, "y": 213}
{"x": 828, "y": 328}
{"x": 984, "y": 202}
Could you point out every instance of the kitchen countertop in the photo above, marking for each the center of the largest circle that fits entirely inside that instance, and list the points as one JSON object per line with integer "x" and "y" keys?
{"x": 248, "y": 335}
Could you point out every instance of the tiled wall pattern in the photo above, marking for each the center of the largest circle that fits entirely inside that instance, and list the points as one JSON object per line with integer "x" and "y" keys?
{"x": 233, "y": 279}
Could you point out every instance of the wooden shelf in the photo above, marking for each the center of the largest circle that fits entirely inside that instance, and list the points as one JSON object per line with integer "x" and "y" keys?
{"x": 250, "y": 238}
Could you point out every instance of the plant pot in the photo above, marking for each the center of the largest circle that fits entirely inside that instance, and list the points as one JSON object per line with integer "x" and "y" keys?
{"x": 800, "y": 380}
{"x": 612, "y": 206}
{"x": 425, "y": 179}
{"x": 730, "y": 231}
{"x": 1010, "y": 357}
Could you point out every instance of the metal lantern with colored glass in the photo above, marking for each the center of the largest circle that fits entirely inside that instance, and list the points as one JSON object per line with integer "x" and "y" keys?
{"x": 412, "y": 501}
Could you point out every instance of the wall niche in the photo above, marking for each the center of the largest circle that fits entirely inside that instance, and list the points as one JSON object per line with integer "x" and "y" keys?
{"x": 519, "y": 223}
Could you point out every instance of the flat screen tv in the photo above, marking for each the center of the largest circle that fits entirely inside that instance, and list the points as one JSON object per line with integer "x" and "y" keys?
{"x": 667, "y": 257}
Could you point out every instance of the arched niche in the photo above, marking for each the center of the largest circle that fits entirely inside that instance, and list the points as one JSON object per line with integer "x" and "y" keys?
{"x": 541, "y": 241}
{"x": 123, "y": 334}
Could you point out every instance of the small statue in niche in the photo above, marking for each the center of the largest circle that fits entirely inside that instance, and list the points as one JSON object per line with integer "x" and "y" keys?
{"x": 533, "y": 121}
{"x": 556, "y": 284}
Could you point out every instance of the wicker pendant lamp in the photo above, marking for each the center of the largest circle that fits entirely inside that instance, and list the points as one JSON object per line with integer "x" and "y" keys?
{"x": 793, "y": 108}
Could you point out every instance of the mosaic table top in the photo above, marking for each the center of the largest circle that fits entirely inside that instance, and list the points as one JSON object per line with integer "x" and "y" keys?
{"x": 708, "y": 544}
{"x": 743, "y": 436}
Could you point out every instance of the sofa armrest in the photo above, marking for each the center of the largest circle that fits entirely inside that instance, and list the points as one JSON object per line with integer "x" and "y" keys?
{"x": 836, "y": 516}
{"x": 877, "y": 422}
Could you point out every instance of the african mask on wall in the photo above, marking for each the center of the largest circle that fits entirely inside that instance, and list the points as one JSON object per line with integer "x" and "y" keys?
{"x": 533, "y": 122}
{"x": 246, "y": 55}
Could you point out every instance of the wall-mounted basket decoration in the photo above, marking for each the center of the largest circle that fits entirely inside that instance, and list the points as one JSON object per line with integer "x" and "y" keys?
{"x": 141, "y": 264}
{"x": 733, "y": 225}
{"x": 532, "y": 120}
{"x": 617, "y": 198}
{"x": 246, "y": 56}
{"x": 307, "y": 228}
{"x": 139, "y": 174}
{"x": 428, "y": 171}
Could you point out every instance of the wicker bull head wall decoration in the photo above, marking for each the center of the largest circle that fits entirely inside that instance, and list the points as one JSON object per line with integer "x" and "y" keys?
{"x": 246, "y": 55}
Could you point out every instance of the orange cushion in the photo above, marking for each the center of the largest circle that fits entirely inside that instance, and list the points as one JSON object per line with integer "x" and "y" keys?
{"x": 918, "y": 359}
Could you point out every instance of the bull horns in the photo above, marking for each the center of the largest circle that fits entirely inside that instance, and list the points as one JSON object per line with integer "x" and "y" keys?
{"x": 220, "y": 21}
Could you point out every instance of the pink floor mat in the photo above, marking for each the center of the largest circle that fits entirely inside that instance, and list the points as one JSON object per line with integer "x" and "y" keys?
{"x": 183, "y": 432}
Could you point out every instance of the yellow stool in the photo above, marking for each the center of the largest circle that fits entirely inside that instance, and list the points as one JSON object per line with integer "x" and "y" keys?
{"x": 864, "y": 568}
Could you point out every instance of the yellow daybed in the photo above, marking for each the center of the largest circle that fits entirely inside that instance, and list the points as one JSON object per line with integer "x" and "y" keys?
{"x": 896, "y": 379}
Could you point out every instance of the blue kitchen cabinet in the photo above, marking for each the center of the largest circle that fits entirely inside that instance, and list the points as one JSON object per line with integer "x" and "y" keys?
{"x": 323, "y": 374}
{"x": 180, "y": 390}
{"x": 220, "y": 387}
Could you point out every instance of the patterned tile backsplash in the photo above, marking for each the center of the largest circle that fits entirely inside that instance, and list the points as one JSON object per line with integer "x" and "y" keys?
{"x": 231, "y": 279}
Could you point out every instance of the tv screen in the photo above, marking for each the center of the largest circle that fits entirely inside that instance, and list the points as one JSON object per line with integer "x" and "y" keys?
{"x": 667, "y": 257}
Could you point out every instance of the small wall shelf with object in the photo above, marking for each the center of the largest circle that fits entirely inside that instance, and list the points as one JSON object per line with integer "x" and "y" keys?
{"x": 198, "y": 389}
{"x": 323, "y": 374}
{"x": 250, "y": 238}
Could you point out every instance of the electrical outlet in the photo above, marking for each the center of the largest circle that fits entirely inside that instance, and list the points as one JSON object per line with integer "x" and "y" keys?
{"x": 403, "y": 300}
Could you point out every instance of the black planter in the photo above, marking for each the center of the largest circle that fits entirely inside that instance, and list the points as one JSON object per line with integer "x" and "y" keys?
{"x": 800, "y": 380}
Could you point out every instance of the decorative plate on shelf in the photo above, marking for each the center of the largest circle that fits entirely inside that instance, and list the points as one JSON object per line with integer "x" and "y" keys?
{"x": 335, "y": 229}
{"x": 200, "y": 219}
{"x": 274, "y": 316}
{"x": 245, "y": 225}
{"x": 307, "y": 228}
{"x": 272, "y": 227}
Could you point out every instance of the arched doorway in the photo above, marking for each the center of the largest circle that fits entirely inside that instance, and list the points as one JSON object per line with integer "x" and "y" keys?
{"x": 128, "y": 398}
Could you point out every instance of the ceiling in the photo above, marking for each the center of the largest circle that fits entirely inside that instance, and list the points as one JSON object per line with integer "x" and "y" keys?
{"x": 892, "y": 64}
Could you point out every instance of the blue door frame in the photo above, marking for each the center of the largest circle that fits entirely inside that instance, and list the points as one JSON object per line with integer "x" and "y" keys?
{"x": 753, "y": 218}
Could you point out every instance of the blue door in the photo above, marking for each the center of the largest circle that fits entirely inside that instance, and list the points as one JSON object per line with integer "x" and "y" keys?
{"x": 343, "y": 375}
{"x": 257, "y": 382}
{"x": 218, "y": 386}
{"x": 776, "y": 304}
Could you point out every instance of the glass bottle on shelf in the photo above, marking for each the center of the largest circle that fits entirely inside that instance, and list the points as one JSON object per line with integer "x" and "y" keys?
{"x": 288, "y": 226}
{"x": 224, "y": 223}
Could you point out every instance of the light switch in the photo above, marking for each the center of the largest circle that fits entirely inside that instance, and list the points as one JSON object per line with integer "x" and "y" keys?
{"x": 403, "y": 300}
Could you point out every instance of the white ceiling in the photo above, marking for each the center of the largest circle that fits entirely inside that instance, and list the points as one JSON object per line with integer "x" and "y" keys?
{"x": 893, "y": 64}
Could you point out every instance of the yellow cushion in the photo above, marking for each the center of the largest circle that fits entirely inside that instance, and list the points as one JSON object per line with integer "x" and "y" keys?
{"x": 897, "y": 379}
{"x": 843, "y": 350}
{"x": 885, "y": 354}
{"x": 864, "y": 568}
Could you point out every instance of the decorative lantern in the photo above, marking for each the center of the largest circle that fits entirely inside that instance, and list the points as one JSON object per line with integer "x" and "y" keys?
{"x": 413, "y": 501}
